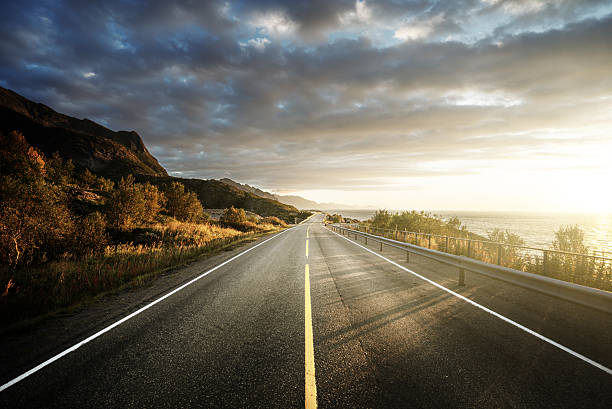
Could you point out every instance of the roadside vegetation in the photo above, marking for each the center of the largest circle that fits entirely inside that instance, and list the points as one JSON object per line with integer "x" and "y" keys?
{"x": 567, "y": 258}
{"x": 67, "y": 235}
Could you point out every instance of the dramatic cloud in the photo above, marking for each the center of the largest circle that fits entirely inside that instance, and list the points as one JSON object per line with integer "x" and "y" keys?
{"x": 334, "y": 96}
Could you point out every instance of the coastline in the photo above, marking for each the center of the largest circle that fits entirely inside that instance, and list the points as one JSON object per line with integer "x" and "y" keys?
{"x": 536, "y": 228}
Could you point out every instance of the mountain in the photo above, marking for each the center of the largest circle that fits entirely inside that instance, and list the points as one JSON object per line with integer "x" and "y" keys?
{"x": 118, "y": 154}
{"x": 296, "y": 201}
{"x": 250, "y": 189}
{"x": 302, "y": 203}
{"x": 88, "y": 144}
{"x": 215, "y": 194}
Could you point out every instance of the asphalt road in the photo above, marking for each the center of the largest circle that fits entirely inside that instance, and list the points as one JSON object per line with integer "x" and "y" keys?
{"x": 381, "y": 337}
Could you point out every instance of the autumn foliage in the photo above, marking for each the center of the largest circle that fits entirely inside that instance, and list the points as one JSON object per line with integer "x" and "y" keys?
{"x": 67, "y": 233}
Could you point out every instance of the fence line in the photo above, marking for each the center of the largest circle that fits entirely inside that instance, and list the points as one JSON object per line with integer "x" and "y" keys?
{"x": 585, "y": 269}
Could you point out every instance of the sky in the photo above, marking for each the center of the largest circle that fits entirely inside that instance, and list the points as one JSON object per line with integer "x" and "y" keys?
{"x": 422, "y": 104}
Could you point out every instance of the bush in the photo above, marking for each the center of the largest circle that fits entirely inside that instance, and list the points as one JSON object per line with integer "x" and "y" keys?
{"x": 105, "y": 185}
{"x": 183, "y": 205}
{"x": 91, "y": 237}
{"x": 420, "y": 222}
{"x": 334, "y": 218}
{"x": 232, "y": 215}
{"x": 381, "y": 219}
{"x": 59, "y": 172}
{"x": 87, "y": 179}
{"x": 35, "y": 222}
{"x": 273, "y": 220}
{"x": 132, "y": 203}
{"x": 570, "y": 239}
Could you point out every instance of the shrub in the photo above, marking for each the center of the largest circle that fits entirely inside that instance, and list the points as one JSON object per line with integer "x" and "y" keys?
{"x": 35, "y": 223}
{"x": 231, "y": 215}
{"x": 88, "y": 179}
{"x": 334, "y": 218}
{"x": 182, "y": 205}
{"x": 132, "y": 203}
{"x": 20, "y": 159}
{"x": 273, "y": 220}
{"x": 105, "y": 185}
{"x": 421, "y": 222}
{"x": 570, "y": 239}
{"x": 382, "y": 218}
{"x": 59, "y": 172}
{"x": 91, "y": 237}
{"x": 154, "y": 202}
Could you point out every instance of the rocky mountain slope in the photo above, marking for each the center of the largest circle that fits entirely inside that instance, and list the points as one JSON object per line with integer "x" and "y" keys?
{"x": 88, "y": 144}
{"x": 118, "y": 154}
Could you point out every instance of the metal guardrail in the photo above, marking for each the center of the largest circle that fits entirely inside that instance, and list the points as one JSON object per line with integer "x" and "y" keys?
{"x": 585, "y": 269}
{"x": 579, "y": 294}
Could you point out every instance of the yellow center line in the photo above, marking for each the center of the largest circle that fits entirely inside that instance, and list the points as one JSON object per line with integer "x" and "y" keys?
{"x": 311, "y": 384}
{"x": 307, "y": 242}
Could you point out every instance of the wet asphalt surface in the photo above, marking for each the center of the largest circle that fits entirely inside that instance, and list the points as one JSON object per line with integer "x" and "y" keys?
{"x": 382, "y": 338}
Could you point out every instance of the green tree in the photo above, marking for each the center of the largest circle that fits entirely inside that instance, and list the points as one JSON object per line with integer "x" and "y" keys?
{"x": 182, "y": 205}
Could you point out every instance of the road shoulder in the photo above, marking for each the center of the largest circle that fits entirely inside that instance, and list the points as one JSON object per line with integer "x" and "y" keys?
{"x": 27, "y": 346}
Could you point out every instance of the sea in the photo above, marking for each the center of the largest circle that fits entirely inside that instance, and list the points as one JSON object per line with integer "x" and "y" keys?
{"x": 537, "y": 229}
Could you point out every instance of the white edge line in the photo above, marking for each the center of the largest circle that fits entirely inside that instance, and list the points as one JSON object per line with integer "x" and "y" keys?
{"x": 124, "y": 319}
{"x": 475, "y": 304}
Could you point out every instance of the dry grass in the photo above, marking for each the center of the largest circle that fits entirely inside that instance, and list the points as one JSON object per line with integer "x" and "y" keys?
{"x": 40, "y": 289}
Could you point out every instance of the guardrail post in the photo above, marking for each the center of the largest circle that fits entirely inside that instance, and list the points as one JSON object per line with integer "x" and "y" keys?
{"x": 407, "y": 257}
{"x": 446, "y": 248}
{"x": 461, "y": 277}
{"x": 366, "y": 240}
{"x": 499, "y": 254}
{"x": 469, "y": 247}
{"x": 416, "y": 239}
{"x": 381, "y": 246}
{"x": 429, "y": 244}
{"x": 545, "y": 263}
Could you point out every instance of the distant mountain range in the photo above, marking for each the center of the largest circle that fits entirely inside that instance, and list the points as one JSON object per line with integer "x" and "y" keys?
{"x": 296, "y": 201}
{"x": 118, "y": 154}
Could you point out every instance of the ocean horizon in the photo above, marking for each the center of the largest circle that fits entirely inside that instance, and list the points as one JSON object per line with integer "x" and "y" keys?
{"x": 536, "y": 228}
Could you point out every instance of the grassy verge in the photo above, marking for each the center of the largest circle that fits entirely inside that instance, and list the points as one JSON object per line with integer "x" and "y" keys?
{"x": 63, "y": 286}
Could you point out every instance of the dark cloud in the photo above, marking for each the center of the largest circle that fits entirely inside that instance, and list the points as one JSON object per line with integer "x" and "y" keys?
{"x": 332, "y": 99}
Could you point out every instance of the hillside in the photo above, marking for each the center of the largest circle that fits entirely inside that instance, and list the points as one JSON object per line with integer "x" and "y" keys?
{"x": 215, "y": 194}
{"x": 250, "y": 189}
{"x": 88, "y": 144}
{"x": 118, "y": 154}
{"x": 295, "y": 201}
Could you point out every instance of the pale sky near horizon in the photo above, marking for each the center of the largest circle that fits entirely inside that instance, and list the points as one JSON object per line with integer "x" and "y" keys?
{"x": 426, "y": 104}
